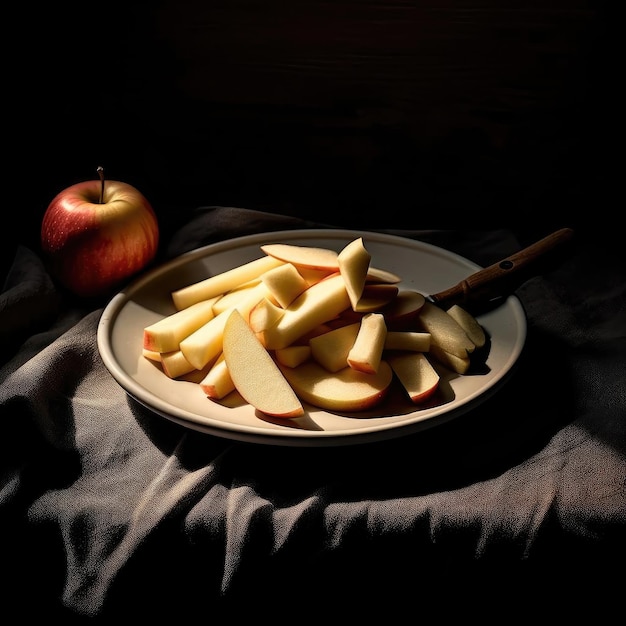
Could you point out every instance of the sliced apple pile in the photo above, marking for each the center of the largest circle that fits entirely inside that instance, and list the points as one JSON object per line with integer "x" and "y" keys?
{"x": 306, "y": 324}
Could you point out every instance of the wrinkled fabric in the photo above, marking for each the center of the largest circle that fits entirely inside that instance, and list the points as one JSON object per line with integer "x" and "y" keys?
{"x": 107, "y": 509}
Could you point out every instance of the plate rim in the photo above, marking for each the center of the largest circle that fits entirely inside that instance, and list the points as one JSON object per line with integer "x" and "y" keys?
{"x": 292, "y": 437}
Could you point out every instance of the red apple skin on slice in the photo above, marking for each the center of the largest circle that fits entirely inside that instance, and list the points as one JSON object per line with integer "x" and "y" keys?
{"x": 401, "y": 313}
{"x": 415, "y": 373}
{"x": 347, "y": 390}
{"x": 254, "y": 372}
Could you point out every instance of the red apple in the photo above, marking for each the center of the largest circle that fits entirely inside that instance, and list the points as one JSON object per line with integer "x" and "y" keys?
{"x": 96, "y": 234}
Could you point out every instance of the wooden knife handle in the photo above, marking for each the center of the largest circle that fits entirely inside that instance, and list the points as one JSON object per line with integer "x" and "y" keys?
{"x": 503, "y": 277}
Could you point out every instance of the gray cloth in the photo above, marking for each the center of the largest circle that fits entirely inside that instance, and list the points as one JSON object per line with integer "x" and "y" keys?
{"x": 109, "y": 510}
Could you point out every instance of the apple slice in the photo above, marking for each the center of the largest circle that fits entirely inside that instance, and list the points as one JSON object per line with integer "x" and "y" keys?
{"x": 303, "y": 256}
{"x": 294, "y": 355}
{"x": 221, "y": 283}
{"x": 175, "y": 364}
{"x": 469, "y": 324}
{"x": 151, "y": 355}
{"x": 318, "y": 304}
{"x": 264, "y": 314}
{"x": 366, "y": 353}
{"x": 415, "y": 373}
{"x": 445, "y": 331}
{"x": 379, "y": 275}
{"x": 384, "y": 291}
{"x": 409, "y": 341}
{"x": 166, "y": 334}
{"x": 354, "y": 261}
{"x": 455, "y": 363}
{"x": 205, "y": 343}
{"x": 285, "y": 283}
{"x": 401, "y": 312}
{"x": 312, "y": 276}
{"x": 218, "y": 382}
{"x": 331, "y": 349}
{"x": 375, "y": 297}
{"x": 231, "y": 298}
{"x": 347, "y": 390}
{"x": 254, "y": 372}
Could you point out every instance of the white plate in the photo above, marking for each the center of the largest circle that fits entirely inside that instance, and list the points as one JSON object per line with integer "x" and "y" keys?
{"x": 423, "y": 267}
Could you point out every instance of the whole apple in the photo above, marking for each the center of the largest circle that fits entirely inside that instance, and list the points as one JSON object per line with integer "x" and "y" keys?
{"x": 96, "y": 234}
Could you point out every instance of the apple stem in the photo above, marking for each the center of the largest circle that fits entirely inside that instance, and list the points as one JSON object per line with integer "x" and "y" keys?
{"x": 100, "y": 171}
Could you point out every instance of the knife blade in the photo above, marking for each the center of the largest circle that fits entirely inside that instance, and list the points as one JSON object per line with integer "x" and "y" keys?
{"x": 492, "y": 284}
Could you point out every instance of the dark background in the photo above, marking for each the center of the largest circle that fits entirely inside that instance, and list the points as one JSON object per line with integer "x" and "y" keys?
{"x": 356, "y": 113}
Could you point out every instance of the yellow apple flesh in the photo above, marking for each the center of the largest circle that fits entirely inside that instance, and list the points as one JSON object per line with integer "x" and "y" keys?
{"x": 254, "y": 372}
{"x": 407, "y": 340}
{"x": 415, "y": 373}
{"x": 218, "y": 382}
{"x": 166, "y": 334}
{"x": 175, "y": 364}
{"x": 284, "y": 283}
{"x": 375, "y": 297}
{"x": 354, "y": 261}
{"x": 312, "y": 276}
{"x": 331, "y": 349}
{"x": 445, "y": 331}
{"x": 303, "y": 256}
{"x": 455, "y": 363}
{"x": 469, "y": 324}
{"x": 292, "y": 356}
{"x": 205, "y": 343}
{"x": 347, "y": 390}
{"x": 230, "y": 298}
{"x": 219, "y": 284}
{"x": 379, "y": 275}
{"x": 366, "y": 353}
{"x": 264, "y": 314}
{"x": 318, "y": 304}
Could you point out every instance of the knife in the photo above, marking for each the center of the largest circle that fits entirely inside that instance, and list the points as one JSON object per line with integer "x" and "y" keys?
{"x": 499, "y": 280}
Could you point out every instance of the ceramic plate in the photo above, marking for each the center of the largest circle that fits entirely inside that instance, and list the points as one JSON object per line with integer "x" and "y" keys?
{"x": 421, "y": 266}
